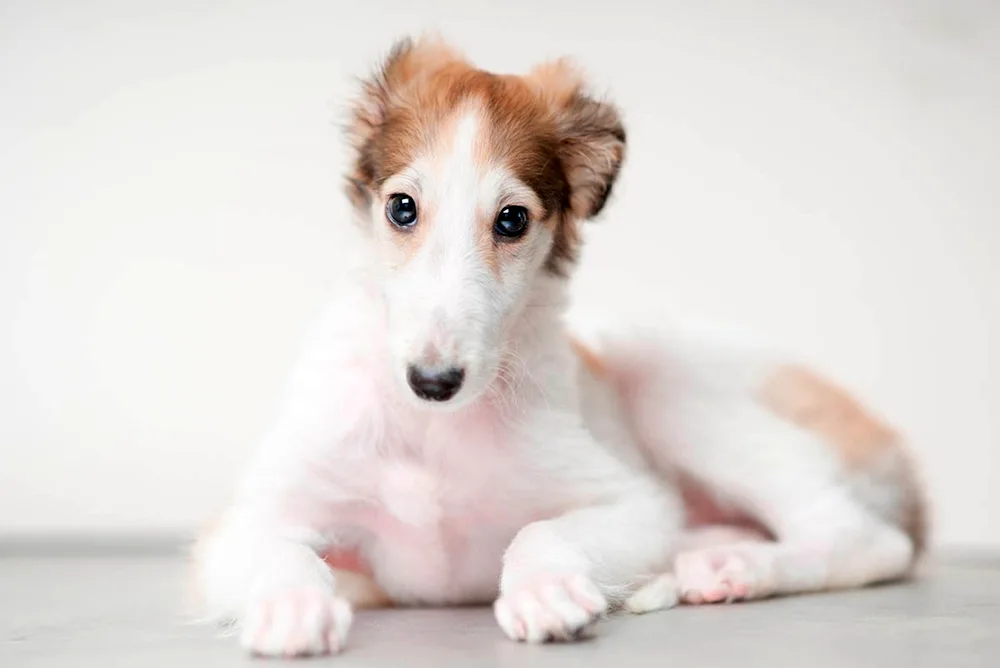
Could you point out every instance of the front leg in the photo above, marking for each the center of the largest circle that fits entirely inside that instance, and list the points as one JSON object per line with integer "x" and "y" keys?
{"x": 561, "y": 575}
{"x": 260, "y": 569}
{"x": 271, "y": 582}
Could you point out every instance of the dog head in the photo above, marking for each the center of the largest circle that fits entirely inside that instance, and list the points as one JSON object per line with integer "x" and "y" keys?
{"x": 471, "y": 186}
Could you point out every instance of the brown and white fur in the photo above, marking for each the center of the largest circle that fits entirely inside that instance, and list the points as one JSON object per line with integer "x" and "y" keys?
{"x": 554, "y": 479}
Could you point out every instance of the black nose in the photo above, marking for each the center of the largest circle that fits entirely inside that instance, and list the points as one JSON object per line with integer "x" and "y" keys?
{"x": 435, "y": 385}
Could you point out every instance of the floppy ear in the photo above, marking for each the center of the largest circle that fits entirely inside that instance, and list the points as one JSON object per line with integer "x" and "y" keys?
{"x": 591, "y": 149}
{"x": 590, "y": 136}
{"x": 407, "y": 61}
{"x": 367, "y": 116}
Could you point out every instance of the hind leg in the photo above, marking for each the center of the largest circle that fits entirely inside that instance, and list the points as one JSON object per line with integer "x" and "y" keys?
{"x": 837, "y": 545}
{"x": 782, "y": 445}
{"x": 664, "y": 591}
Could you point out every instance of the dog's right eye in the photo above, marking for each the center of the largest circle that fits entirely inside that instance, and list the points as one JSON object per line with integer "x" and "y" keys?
{"x": 401, "y": 210}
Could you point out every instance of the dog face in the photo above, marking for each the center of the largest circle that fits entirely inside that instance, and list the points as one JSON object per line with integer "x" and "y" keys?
{"x": 471, "y": 187}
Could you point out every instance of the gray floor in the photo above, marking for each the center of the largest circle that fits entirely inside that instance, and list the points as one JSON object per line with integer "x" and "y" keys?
{"x": 108, "y": 612}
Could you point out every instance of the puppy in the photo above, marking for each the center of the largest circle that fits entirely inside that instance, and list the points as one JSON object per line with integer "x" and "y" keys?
{"x": 445, "y": 440}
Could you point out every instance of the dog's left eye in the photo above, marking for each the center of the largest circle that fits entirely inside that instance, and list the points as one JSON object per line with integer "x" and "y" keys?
{"x": 511, "y": 222}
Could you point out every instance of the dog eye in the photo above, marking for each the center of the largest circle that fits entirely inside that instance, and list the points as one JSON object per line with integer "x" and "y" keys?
{"x": 511, "y": 222}
{"x": 401, "y": 210}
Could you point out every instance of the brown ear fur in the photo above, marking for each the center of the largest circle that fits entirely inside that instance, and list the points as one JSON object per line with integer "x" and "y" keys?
{"x": 591, "y": 149}
{"x": 407, "y": 62}
{"x": 591, "y": 135}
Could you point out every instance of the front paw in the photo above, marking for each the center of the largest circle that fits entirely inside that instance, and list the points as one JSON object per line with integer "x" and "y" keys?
{"x": 550, "y": 608}
{"x": 298, "y": 622}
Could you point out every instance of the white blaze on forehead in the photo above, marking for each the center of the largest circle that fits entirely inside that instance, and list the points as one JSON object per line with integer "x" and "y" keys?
{"x": 455, "y": 182}
{"x": 462, "y": 184}
{"x": 442, "y": 285}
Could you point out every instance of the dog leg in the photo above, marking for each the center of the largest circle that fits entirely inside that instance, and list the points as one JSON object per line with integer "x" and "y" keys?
{"x": 561, "y": 575}
{"x": 839, "y": 546}
{"x": 275, "y": 587}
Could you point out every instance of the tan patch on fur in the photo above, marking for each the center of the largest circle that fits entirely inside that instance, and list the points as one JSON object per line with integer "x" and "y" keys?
{"x": 410, "y": 240}
{"x": 492, "y": 251}
{"x": 818, "y": 405}
{"x": 361, "y": 591}
{"x": 916, "y": 519}
{"x": 355, "y": 582}
{"x": 556, "y": 81}
{"x": 593, "y": 362}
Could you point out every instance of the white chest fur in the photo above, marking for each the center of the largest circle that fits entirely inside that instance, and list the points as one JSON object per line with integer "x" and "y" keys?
{"x": 433, "y": 505}
{"x": 441, "y": 527}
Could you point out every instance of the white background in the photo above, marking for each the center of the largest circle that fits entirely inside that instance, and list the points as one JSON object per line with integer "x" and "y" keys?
{"x": 170, "y": 214}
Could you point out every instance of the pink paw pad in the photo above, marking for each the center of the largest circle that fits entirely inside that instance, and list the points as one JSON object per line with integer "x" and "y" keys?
{"x": 715, "y": 576}
{"x": 550, "y": 608}
{"x": 303, "y": 622}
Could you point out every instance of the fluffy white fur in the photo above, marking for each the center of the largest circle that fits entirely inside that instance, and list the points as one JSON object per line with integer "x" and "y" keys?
{"x": 542, "y": 487}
